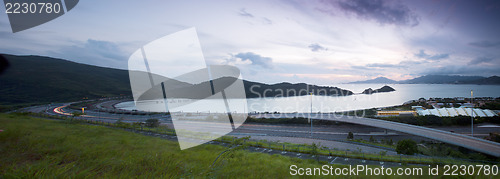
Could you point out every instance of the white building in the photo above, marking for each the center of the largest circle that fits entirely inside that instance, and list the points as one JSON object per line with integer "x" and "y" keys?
{"x": 450, "y": 112}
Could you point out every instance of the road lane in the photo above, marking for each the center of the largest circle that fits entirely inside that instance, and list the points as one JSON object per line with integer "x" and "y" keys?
{"x": 476, "y": 144}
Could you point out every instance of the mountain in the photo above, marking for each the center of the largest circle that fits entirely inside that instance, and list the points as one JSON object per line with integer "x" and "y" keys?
{"x": 442, "y": 79}
{"x": 438, "y": 79}
{"x": 376, "y": 80}
{"x": 37, "y": 79}
{"x": 255, "y": 90}
{"x": 492, "y": 80}
{"x": 380, "y": 90}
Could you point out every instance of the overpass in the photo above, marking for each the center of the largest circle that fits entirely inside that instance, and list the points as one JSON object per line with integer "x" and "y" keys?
{"x": 472, "y": 143}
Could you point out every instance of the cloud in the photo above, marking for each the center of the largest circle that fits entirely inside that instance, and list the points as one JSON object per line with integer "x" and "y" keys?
{"x": 402, "y": 64}
{"x": 316, "y": 47}
{"x": 267, "y": 20}
{"x": 480, "y": 60}
{"x": 435, "y": 57}
{"x": 244, "y": 13}
{"x": 95, "y": 52}
{"x": 254, "y": 59}
{"x": 484, "y": 44}
{"x": 381, "y": 11}
{"x": 383, "y": 65}
{"x": 461, "y": 70}
{"x": 264, "y": 20}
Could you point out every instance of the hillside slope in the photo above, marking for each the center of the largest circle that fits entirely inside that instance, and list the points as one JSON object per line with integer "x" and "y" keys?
{"x": 37, "y": 79}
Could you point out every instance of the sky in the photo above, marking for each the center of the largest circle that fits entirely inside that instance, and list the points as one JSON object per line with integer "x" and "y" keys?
{"x": 271, "y": 41}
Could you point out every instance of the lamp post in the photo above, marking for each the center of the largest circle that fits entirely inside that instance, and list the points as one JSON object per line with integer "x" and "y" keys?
{"x": 472, "y": 114}
{"x": 310, "y": 119}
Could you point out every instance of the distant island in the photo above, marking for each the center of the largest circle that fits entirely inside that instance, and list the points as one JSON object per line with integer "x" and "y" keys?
{"x": 380, "y": 90}
{"x": 437, "y": 79}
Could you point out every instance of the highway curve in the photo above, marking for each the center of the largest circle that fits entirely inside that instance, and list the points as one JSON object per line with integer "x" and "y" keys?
{"x": 476, "y": 144}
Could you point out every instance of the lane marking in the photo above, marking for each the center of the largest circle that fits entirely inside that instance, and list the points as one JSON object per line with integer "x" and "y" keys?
{"x": 333, "y": 160}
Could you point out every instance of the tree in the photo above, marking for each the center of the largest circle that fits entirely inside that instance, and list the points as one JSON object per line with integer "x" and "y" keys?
{"x": 350, "y": 136}
{"x": 315, "y": 151}
{"x": 372, "y": 139}
{"x": 389, "y": 142}
{"x": 407, "y": 147}
{"x": 152, "y": 123}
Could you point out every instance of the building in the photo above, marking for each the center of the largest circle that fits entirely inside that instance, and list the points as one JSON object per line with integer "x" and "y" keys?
{"x": 451, "y": 112}
{"x": 396, "y": 113}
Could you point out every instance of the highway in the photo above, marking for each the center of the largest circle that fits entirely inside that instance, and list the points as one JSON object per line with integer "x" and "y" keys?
{"x": 334, "y": 134}
{"x": 298, "y": 134}
{"x": 472, "y": 143}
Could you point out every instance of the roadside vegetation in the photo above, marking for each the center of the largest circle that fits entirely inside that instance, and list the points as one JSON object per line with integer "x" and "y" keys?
{"x": 34, "y": 148}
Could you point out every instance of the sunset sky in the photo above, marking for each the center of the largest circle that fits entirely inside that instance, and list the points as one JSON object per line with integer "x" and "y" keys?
{"x": 319, "y": 42}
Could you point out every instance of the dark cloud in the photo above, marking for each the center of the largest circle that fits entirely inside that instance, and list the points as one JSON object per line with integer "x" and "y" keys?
{"x": 255, "y": 59}
{"x": 381, "y": 11}
{"x": 244, "y": 13}
{"x": 480, "y": 60}
{"x": 358, "y": 67}
{"x": 484, "y": 44}
{"x": 316, "y": 47}
{"x": 95, "y": 52}
{"x": 409, "y": 63}
{"x": 461, "y": 70}
{"x": 436, "y": 57}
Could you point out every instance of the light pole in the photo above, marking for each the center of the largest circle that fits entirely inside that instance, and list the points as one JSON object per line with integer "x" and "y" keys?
{"x": 472, "y": 114}
{"x": 310, "y": 119}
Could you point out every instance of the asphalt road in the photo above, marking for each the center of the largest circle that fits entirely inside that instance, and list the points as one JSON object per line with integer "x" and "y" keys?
{"x": 329, "y": 136}
{"x": 476, "y": 144}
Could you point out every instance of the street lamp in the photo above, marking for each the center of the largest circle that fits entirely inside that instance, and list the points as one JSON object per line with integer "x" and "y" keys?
{"x": 310, "y": 119}
{"x": 472, "y": 114}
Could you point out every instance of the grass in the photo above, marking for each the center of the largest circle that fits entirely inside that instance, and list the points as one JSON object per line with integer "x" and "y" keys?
{"x": 41, "y": 148}
{"x": 302, "y": 148}
{"x": 33, "y": 147}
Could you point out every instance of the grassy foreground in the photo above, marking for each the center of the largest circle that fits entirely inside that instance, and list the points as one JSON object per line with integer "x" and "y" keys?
{"x": 32, "y": 147}
{"x": 40, "y": 148}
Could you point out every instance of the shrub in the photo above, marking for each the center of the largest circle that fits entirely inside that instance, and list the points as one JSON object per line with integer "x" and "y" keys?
{"x": 407, "y": 147}
{"x": 350, "y": 136}
{"x": 152, "y": 123}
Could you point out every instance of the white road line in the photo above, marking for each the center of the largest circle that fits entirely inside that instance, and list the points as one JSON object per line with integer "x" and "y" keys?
{"x": 333, "y": 160}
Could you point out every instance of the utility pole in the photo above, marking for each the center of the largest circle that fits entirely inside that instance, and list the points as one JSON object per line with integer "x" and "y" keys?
{"x": 472, "y": 114}
{"x": 310, "y": 119}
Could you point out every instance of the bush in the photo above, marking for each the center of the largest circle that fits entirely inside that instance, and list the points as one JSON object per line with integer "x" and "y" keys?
{"x": 407, "y": 147}
{"x": 372, "y": 140}
{"x": 152, "y": 123}
{"x": 350, "y": 136}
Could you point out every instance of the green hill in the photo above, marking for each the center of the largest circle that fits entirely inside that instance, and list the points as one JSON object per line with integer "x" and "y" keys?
{"x": 36, "y": 79}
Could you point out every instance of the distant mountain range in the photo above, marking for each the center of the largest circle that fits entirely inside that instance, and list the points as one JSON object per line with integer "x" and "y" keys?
{"x": 383, "y": 80}
{"x": 37, "y": 79}
{"x": 437, "y": 79}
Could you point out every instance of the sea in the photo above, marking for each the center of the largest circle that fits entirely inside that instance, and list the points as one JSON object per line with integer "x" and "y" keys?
{"x": 325, "y": 104}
